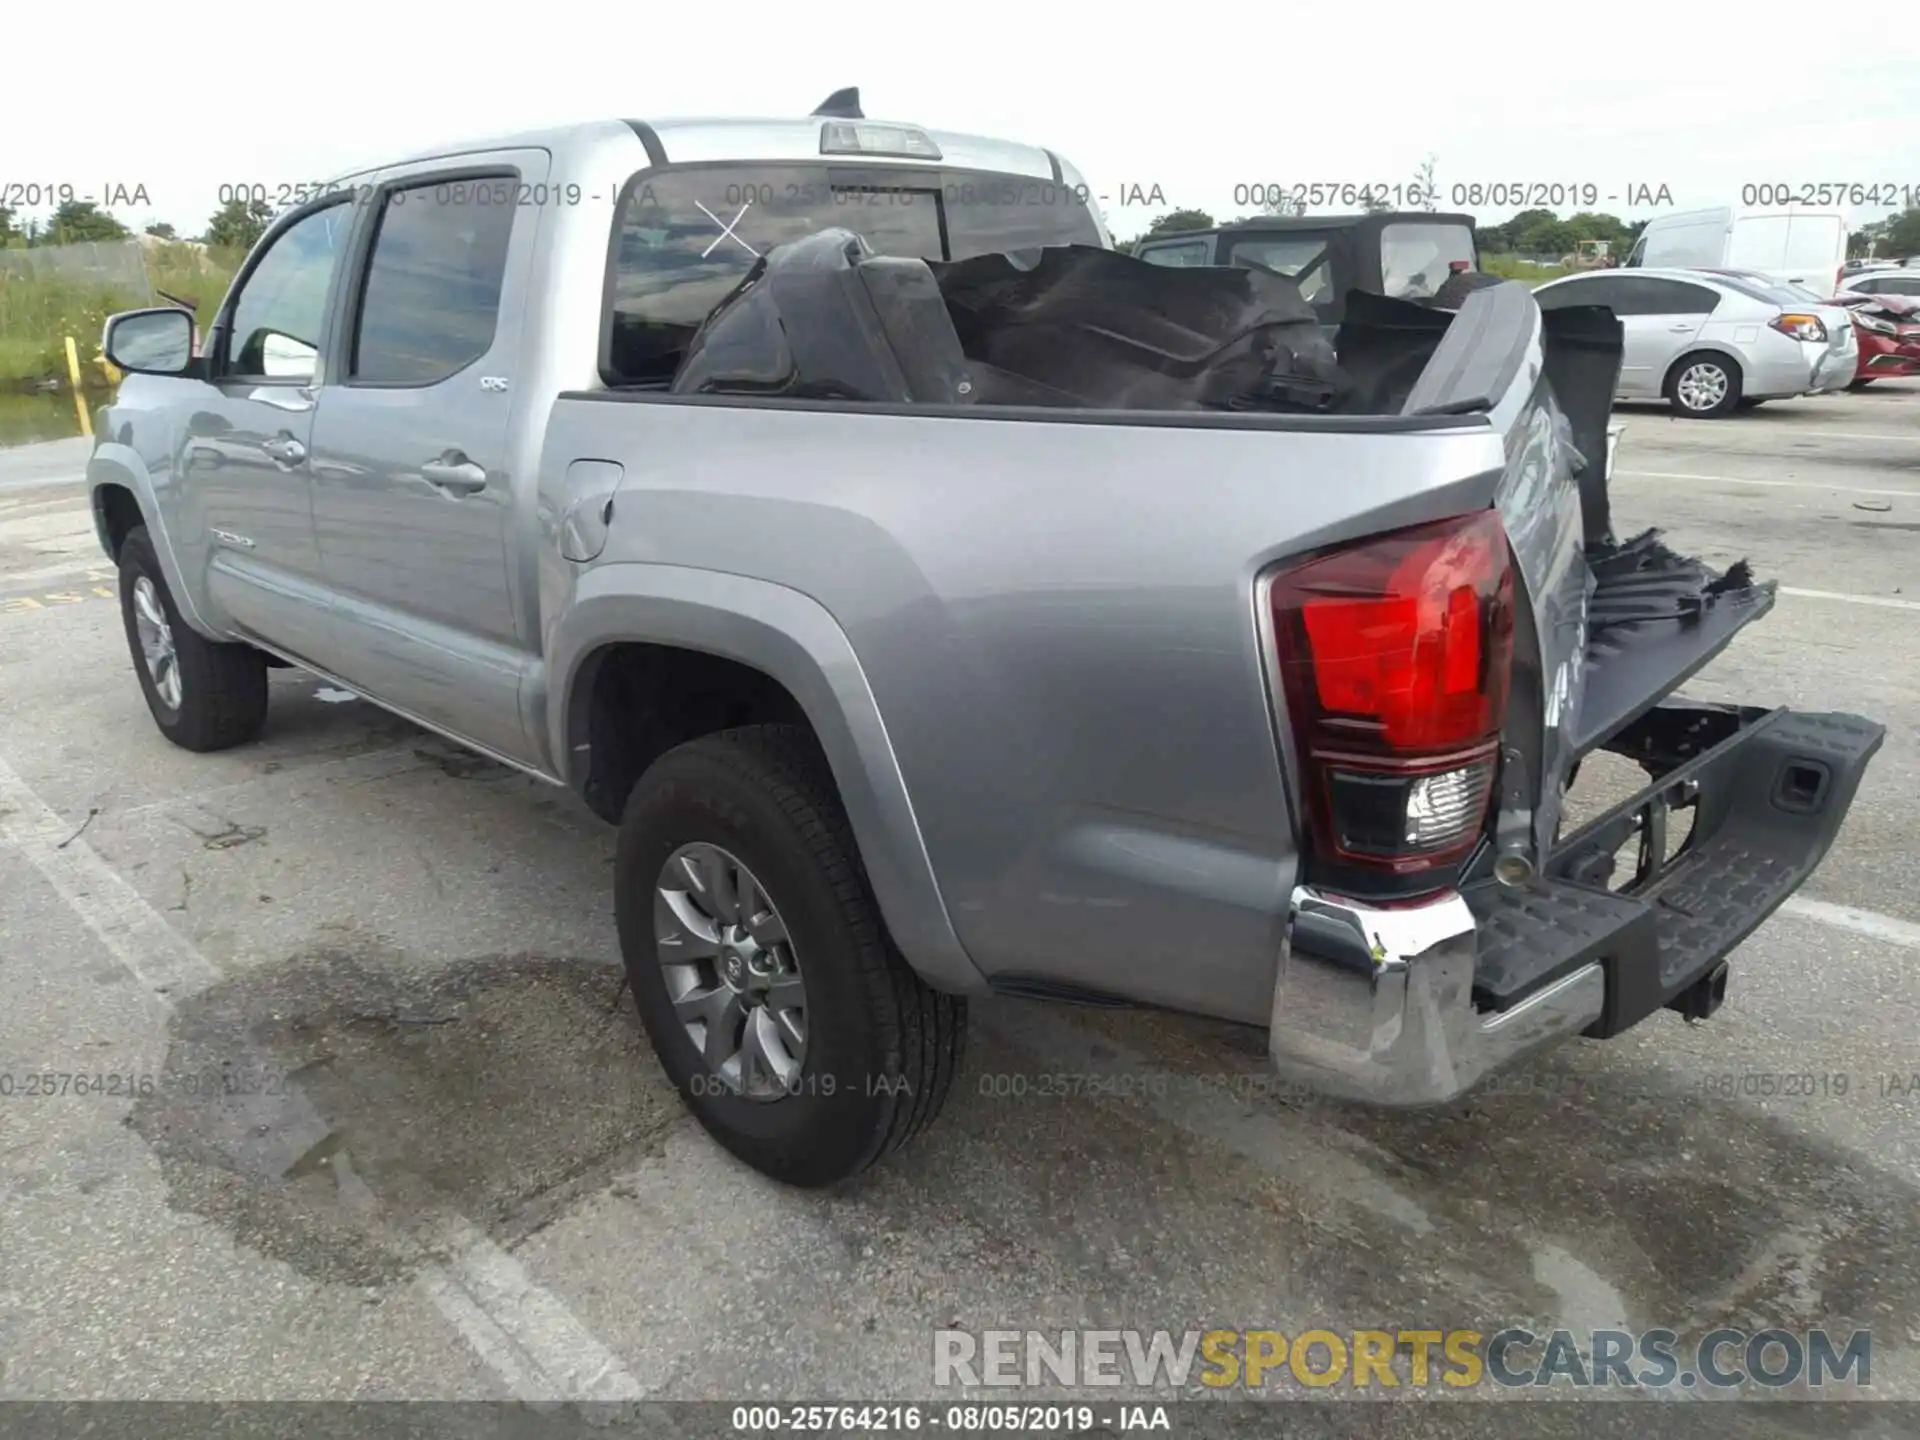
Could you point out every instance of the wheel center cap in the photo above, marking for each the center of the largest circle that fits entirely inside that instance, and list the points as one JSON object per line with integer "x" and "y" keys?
{"x": 735, "y": 967}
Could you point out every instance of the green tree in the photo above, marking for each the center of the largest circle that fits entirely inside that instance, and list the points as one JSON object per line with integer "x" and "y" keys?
{"x": 161, "y": 230}
{"x": 1902, "y": 235}
{"x": 7, "y": 229}
{"x": 78, "y": 220}
{"x": 239, "y": 223}
{"x": 1181, "y": 220}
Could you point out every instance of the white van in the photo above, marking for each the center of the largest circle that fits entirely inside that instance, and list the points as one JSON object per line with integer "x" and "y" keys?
{"x": 1806, "y": 247}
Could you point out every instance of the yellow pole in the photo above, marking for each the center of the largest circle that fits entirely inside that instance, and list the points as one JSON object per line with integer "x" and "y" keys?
{"x": 79, "y": 395}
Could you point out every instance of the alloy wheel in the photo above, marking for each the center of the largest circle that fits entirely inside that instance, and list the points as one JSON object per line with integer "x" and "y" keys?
{"x": 731, "y": 971}
{"x": 156, "y": 642}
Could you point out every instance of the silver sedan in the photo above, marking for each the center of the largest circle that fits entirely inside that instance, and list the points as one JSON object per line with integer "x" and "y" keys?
{"x": 1711, "y": 343}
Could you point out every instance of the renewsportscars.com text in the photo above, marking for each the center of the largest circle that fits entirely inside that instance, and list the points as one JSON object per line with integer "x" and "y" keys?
{"x": 1385, "y": 1359}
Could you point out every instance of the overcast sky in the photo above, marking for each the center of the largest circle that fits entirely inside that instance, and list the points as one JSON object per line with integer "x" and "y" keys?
{"x": 1615, "y": 96}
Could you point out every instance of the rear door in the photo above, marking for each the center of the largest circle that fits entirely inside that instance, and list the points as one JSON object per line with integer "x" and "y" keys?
{"x": 413, "y": 482}
{"x": 1661, "y": 320}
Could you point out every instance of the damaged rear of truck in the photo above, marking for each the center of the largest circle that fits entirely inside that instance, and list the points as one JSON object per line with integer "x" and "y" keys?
{"x": 1164, "y": 646}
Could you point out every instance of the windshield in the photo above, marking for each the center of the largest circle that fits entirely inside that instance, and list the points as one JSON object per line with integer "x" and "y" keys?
{"x": 687, "y": 238}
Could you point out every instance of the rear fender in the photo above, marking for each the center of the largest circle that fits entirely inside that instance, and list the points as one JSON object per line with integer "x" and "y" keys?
{"x": 794, "y": 640}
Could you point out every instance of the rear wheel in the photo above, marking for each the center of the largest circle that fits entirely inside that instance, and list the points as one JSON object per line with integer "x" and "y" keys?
{"x": 1704, "y": 386}
{"x": 778, "y": 1005}
{"x": 1861, "y": 383}
{"x": 204, "y": 695}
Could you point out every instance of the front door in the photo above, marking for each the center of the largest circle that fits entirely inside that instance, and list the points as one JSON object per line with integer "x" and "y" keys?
{"x": 242, "y": 449}
{"x": 413, "y": 483}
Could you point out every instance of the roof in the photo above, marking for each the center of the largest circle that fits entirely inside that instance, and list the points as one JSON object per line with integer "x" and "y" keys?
{"x": 689, "y": 140}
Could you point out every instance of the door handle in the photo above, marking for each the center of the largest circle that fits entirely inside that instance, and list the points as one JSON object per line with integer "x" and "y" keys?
{"x": 285, "y": 450}
{"x": 454, "y": 472}
{"x": 1683, "y": 329}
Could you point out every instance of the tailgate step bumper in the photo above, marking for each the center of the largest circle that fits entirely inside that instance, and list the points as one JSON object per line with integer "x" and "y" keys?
{"x": 1414, "y": 1005}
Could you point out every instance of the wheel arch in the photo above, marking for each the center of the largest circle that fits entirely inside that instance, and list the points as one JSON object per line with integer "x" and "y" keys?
{"x": 121, "y": 495}
{"x": 742, "y": 651}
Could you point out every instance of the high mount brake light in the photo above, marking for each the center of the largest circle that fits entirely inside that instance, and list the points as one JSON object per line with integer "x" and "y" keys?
{"x": 1395, "y": 656}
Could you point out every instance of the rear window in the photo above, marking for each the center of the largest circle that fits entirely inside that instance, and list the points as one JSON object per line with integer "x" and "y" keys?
{"x": 1416, "y": 257}
{"x": 1773, "y": 294}
{"x": 1300, "y": 255}
{"x": 686, "y": 238}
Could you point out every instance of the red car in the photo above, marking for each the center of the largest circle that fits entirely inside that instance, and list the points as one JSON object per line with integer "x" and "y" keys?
{"x": 1888, "y": 327}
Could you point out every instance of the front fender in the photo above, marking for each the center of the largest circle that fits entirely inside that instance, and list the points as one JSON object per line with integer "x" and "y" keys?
{"x": 114, "y": 464}
{"x": 793, "y": 639}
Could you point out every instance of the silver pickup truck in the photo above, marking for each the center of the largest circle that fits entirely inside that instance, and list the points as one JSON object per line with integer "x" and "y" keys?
{"x": 943, "y": 603}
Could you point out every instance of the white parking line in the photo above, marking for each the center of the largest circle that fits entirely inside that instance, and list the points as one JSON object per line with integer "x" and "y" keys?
{"x": 1861, "y": 922}
{"x": 1885, "y": 602}
{"x": 1913, "y": 494}
{"x": 539, "y": 1349}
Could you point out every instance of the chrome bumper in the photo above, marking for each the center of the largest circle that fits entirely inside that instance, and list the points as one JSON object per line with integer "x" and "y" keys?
{"x": 1377, "y": 1005}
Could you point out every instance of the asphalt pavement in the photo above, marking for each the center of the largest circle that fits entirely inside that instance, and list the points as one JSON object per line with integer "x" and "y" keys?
{"x": 386, "y": 1127}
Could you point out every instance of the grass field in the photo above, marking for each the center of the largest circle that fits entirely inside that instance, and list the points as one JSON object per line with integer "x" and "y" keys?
{"x": 37, "y": 313}
{"x": 1511, "y": 267}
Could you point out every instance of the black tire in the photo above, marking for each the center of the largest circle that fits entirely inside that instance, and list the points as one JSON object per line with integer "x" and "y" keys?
{"x": 1729, "y": 399}
{"x": 882, "y": 1047}
{"x": 223, "y": 687}
{"x": 1861, "y": 383}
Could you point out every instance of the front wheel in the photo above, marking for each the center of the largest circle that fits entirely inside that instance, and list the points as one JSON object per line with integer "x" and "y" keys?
{"x": 794, "y": 1030}
{"x": 1704, "y": 387}
{"x": 204, "y": 695}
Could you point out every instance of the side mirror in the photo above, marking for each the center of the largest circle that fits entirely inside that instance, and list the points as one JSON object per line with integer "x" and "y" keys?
{"x": 150, "y": 342}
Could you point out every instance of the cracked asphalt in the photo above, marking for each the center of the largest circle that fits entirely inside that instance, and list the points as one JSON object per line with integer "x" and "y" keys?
{"x": 385, "y": 1126}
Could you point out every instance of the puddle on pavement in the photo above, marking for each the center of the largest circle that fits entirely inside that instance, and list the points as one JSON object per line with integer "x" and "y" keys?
{"x": 494, "y": 1087}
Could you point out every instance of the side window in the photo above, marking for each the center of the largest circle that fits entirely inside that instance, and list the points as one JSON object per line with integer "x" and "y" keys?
{"x": 1581, "y": 292}
{"x": 1900, "y": 285}
{"x": 275, "y": 333}
{"x": 431, "y": 295}
{"x": 1190, "y": 252}
{"x": 1637, "y": 256}
{"x": 1667, "y": 297}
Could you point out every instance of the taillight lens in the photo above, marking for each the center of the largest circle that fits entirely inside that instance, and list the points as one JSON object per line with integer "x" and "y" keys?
{"x": 1394, "y": 658}
{"x": 1799, "y": 326}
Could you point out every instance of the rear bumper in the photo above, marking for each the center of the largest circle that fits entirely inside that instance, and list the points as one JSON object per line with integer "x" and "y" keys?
{"x": 1835, "y": 369}
{"x": 1413, "y": 1006}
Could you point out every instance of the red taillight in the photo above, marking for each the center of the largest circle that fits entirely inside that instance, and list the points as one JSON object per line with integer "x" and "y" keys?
{"x": 1394, "y": 659}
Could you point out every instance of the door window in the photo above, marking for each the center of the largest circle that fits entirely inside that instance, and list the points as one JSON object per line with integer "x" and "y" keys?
{"x": 1644, "y": 295}
{"x": 275, "y": 331}
{"x": 1599, "y": 290}
{"x": 431, "y": 296}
